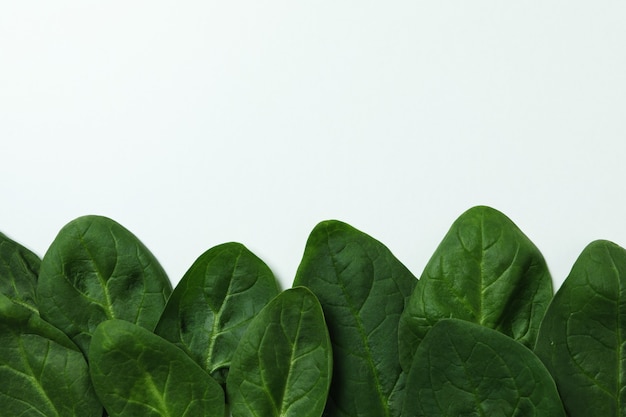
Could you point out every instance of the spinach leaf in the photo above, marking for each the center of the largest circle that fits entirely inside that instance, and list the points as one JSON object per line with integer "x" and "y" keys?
{"x": 42, "y": 372}
{"x": 19, "y": 269}
{"x": 137, "y": 373}
{"x": 485, "y": 271}
{"x": 362, "y": 288}
{"x": 283, "y": 365}
{"x": 213, "y": 304}
{"x": 464, "y": 369}
{"x": 95, "y": 270}
{"x": 583, "y": 334}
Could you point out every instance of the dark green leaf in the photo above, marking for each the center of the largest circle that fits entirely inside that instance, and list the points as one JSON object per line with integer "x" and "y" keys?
{"x": 19, "y": 268}
{"x": 97, "y": 270}
{"x": 283, "y": 365}
{"x": 42, "y": 372}
{"x": 213, "y": 304}
{"x": 583, "y": 335}
{"x": 485, "y": 271}
{"x": 362, "y": 288}
{"x": 464, "y": 369}
{"x": 137, "y": 373}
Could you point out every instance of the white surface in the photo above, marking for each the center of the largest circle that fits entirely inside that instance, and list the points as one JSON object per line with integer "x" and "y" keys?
{"x": 204, "y": 122}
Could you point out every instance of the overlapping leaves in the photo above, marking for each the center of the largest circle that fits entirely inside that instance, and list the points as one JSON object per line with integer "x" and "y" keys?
{"x": 485, "y": 271}
{"x": 42, "y": 372}
{"x": 137, "y": 373}
{"x": 96, "y": 270}
{"x": 357, "y": 335}
{"x": 212, "y": 305}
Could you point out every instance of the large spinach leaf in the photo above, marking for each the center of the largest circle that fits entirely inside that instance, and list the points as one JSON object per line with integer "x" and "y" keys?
{"x": 283, "y": 365}
{"x": 464, "y": 369}
{"x": 19, "y": 269}
{"x": 95, "y": 270}
{"x": 137, "y": 373}
{"x": 485, "y": 271}
{"x": 362, "y": 288}
{"x": 583, "y": 335}
{"x": 213, "y": 304}
{"x": 42, "y": 372}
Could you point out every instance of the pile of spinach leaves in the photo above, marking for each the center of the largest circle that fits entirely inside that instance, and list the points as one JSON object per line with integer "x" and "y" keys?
{"x": 94, "y": 328}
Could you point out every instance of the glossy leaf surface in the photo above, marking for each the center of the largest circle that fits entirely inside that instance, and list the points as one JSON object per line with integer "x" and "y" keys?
{"x": 137, "y": 373}
{"x": 283, "y": 365}
{"x": 42, "y": 372}
{"x": 485, "y": 271}
{"x": 96, "y": 270}
{"x": 213, "y": 304}
{"x": 19, "y": 269}
{"x": 363, "y": 289}
{"x": 464, "y": 369}
{"x": 583, "y": 335}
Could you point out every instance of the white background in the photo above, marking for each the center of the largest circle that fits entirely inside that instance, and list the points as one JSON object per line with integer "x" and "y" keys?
{"x": 200, "y": 122}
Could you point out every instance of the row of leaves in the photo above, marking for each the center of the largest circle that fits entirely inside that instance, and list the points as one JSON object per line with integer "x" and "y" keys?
{"x": 96, "y": 324}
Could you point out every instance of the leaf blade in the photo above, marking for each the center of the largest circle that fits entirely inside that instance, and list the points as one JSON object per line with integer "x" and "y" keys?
{"x": 582, "y": 336}
{"x": 19, "y": 271}
{"x": 362, "y": 288}
{"x": 96, "y": 270}
{"x": 465, "y": 369}
{"x": 283, "y": 365}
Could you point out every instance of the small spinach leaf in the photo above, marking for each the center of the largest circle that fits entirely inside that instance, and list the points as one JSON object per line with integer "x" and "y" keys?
{"x": 362, "y": 288}
{"x": 464, "y": 369}
{"x": 213, "y": 304}
{"x": 283, "y": 365}
{"x": 19, "y": 269}
{"x": 582, "y": 337}
{"x": 485, "y": 271}
{"x": 42, "y": 372}
{"x": 95, "y": 270}
{"x": 137, "y": 373}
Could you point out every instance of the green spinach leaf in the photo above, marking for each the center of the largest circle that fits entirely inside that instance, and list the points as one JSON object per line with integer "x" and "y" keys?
{"x": 213, "y": 304}
{"x": 464, "y": 369}
{"x": 96, "y": 270}
{"x": 137, "y": 373}
{"x": 363, "y": 289}
{"x": 485, "y": 271}
{"x": 283, "y": 365}
{"x": 42, "y": 372}
{"x": 19, "y": 269}
{"x": 582, "y": 338}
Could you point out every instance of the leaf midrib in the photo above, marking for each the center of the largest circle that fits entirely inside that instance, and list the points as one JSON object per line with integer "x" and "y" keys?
{"x": 217, "y": 317}
{"x": 108, "y": 307}
{"x": 381, "y": 395}
{"x": 294, "y": 347}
